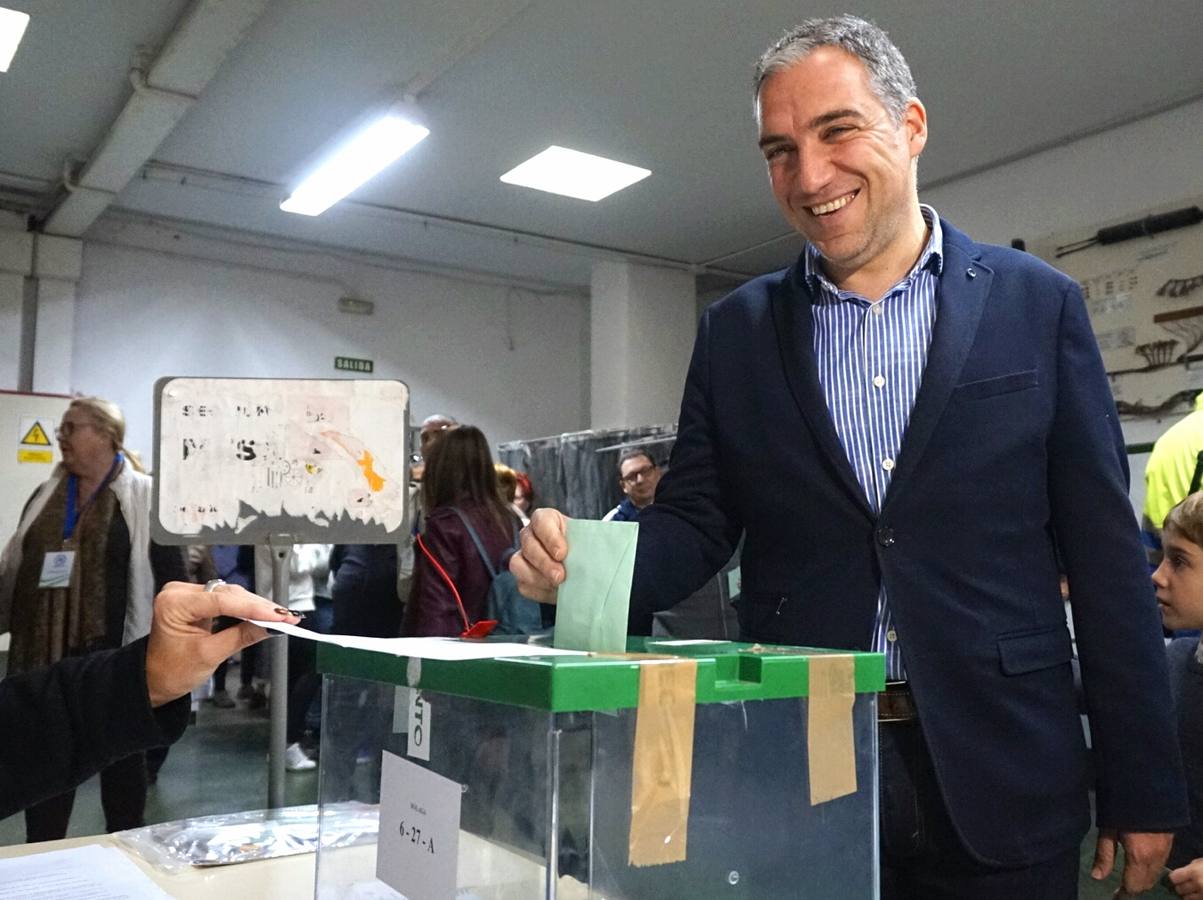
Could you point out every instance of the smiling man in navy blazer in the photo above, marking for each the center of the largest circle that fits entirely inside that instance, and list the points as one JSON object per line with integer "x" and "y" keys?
{"x": 916, "y": 433}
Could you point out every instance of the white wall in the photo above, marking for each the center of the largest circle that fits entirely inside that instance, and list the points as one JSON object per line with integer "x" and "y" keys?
{"x": 643, "y": 325}
{"x": 1116, "y": 174}
{"x": 514, "y": 362}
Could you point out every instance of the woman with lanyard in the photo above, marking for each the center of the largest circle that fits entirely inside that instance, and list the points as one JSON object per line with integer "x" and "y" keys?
{"x": 79, "y": 575}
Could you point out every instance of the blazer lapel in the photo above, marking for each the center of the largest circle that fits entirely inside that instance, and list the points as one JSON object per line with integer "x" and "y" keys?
{"x": 962, "y": 291}
{"x": 791, "y": 305}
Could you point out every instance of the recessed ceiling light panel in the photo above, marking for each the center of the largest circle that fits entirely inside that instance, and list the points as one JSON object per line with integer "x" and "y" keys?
{"x": 572, "y": 173}
{"x": 12, "y": 29}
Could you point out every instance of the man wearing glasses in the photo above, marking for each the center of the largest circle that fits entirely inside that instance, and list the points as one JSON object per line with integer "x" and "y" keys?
{"x": 638, "y": 475}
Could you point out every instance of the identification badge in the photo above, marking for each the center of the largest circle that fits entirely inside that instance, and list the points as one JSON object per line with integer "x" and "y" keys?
{"x": 56, "y": 569}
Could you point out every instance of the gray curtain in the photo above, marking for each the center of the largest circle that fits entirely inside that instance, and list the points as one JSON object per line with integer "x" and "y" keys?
{"x": 577, "y": 473}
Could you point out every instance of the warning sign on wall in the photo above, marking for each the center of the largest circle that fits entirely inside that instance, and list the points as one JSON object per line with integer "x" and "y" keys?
{"x": 34, "y": 443}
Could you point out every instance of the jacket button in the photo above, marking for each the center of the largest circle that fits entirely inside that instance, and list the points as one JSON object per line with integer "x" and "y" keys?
{"x": 885, "y": 536}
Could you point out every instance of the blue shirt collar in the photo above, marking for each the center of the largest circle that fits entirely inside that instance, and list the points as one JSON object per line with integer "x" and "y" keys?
{"x": 932, "y": 256}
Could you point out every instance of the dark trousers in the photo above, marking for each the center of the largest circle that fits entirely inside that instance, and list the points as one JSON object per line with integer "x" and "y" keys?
{"x": 122, "y": 794}
{"x": 922, "y": 858}
{"x": 304, "y": 683}
{"x": 249, "y": 667}
{"x": 362, "y": 715}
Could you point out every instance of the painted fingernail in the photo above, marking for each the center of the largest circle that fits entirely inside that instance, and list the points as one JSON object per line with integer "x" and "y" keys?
{"x": 288, "y": 612}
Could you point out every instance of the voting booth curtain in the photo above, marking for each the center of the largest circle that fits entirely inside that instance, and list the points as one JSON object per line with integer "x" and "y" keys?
{"x": 577, "y": 473}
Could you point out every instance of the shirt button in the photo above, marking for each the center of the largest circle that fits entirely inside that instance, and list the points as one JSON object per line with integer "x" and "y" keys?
{"x": 879, "y": 381}
{"x": 887, "y": 464}
{"x": 877, "y": 308}
{"x": 891, "y": 635}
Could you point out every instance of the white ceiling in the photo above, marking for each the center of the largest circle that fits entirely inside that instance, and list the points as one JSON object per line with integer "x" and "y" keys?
{"x": 662, "y": 84}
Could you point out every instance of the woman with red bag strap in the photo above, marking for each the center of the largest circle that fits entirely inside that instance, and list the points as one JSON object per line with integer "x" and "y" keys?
{"x": 449, "y": 596}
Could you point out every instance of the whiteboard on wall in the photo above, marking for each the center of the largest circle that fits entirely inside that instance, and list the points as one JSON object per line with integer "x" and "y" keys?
{"x": 29, "y": 453}
{"x": 318, "y": 460}
{"x": 1144, "y": 297}
{"x": 1145, "y": 300}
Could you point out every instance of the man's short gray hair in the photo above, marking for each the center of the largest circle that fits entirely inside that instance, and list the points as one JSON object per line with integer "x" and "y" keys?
{"x": 889, "y": 74}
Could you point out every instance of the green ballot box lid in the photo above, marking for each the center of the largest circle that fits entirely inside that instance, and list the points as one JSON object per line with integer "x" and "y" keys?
{"x": 727, "y": 671}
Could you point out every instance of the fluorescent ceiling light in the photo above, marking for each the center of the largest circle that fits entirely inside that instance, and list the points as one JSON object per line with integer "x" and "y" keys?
{"x": 572, "y": 173}
{"x": 363, "y": 156}
{"x": 12, "y": 29}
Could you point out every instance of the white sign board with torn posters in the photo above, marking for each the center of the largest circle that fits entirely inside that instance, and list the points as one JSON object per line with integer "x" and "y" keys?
{"x": 239, "y": 459}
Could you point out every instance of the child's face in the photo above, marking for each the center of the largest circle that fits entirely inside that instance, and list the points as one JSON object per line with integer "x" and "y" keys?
{"x": 1179, "y": 582}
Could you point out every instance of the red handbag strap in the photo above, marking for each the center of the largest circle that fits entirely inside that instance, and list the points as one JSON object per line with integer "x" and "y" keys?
{"x": 480, "y": 629}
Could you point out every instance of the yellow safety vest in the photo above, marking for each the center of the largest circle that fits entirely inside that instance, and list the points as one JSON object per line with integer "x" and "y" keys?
{"x": 1171, "y": 467}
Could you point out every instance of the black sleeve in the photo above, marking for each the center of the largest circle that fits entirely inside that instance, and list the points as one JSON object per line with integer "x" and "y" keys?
{"x": 64, "y": 723}
{"x": 246, "y": 565}
{"x": 168, "y": 564}
{"x": 337, "y": 554}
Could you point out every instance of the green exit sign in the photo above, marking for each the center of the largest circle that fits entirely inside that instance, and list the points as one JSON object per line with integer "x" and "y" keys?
{"x": 350, "y": 364}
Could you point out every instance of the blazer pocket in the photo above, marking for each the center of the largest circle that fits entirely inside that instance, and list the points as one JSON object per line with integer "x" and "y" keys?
{"x": 1001, "y": 384}
{"x": 1030, "y": 651}
{"x": 762, "y": 615}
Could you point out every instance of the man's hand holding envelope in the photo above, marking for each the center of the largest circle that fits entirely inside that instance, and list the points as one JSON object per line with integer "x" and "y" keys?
{"x": 591, "y": 585}
{"x": 539, "y": 563}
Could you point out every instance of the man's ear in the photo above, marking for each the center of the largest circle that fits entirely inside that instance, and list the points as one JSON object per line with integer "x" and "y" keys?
{"x": 914, "y": 122}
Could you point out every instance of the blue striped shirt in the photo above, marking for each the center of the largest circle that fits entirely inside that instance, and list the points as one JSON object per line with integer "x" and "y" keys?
{"x": 871, "y": 358}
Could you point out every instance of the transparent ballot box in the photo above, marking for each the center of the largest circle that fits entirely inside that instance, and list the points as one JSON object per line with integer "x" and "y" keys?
{"x": 683, "y": 769}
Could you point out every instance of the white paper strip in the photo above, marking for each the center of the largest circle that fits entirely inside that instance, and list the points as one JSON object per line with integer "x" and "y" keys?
{"x": 422, "y": 647}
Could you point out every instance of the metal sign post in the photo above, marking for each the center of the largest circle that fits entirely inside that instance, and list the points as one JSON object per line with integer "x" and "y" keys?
{"x": 280, "y": 462}
{"x": 280, "y": 546}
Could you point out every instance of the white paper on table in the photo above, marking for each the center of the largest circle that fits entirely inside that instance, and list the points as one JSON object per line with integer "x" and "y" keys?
{"x": 421, "y": 647}
{"x": 97, "y": 873}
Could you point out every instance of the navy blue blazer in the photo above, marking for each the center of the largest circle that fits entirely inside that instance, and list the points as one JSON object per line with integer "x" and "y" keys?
{"x": 1012, "y": 468}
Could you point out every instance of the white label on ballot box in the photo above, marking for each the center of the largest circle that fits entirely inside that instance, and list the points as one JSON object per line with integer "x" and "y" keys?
{"x": 418, "y": 848}
{"x": 400, "y": 710}
{"x": 420, "y": 723}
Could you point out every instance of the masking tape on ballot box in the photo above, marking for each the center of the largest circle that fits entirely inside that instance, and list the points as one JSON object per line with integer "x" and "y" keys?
{"x": 830, "y": 748}
{"x": 662, "y": 768}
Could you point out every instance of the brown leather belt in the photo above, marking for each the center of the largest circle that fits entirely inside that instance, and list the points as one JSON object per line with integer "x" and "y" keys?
{"x": 895, "y": 704}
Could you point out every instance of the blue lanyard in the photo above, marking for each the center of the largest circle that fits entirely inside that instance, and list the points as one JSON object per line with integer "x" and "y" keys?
{"x": 74, "y": 514}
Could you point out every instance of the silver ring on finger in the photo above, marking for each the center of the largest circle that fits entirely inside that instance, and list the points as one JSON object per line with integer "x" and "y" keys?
{"x": 213, "y": 584}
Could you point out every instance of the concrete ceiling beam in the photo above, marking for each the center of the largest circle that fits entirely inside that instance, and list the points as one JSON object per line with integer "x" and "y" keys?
{"x": 161, "y": 97}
